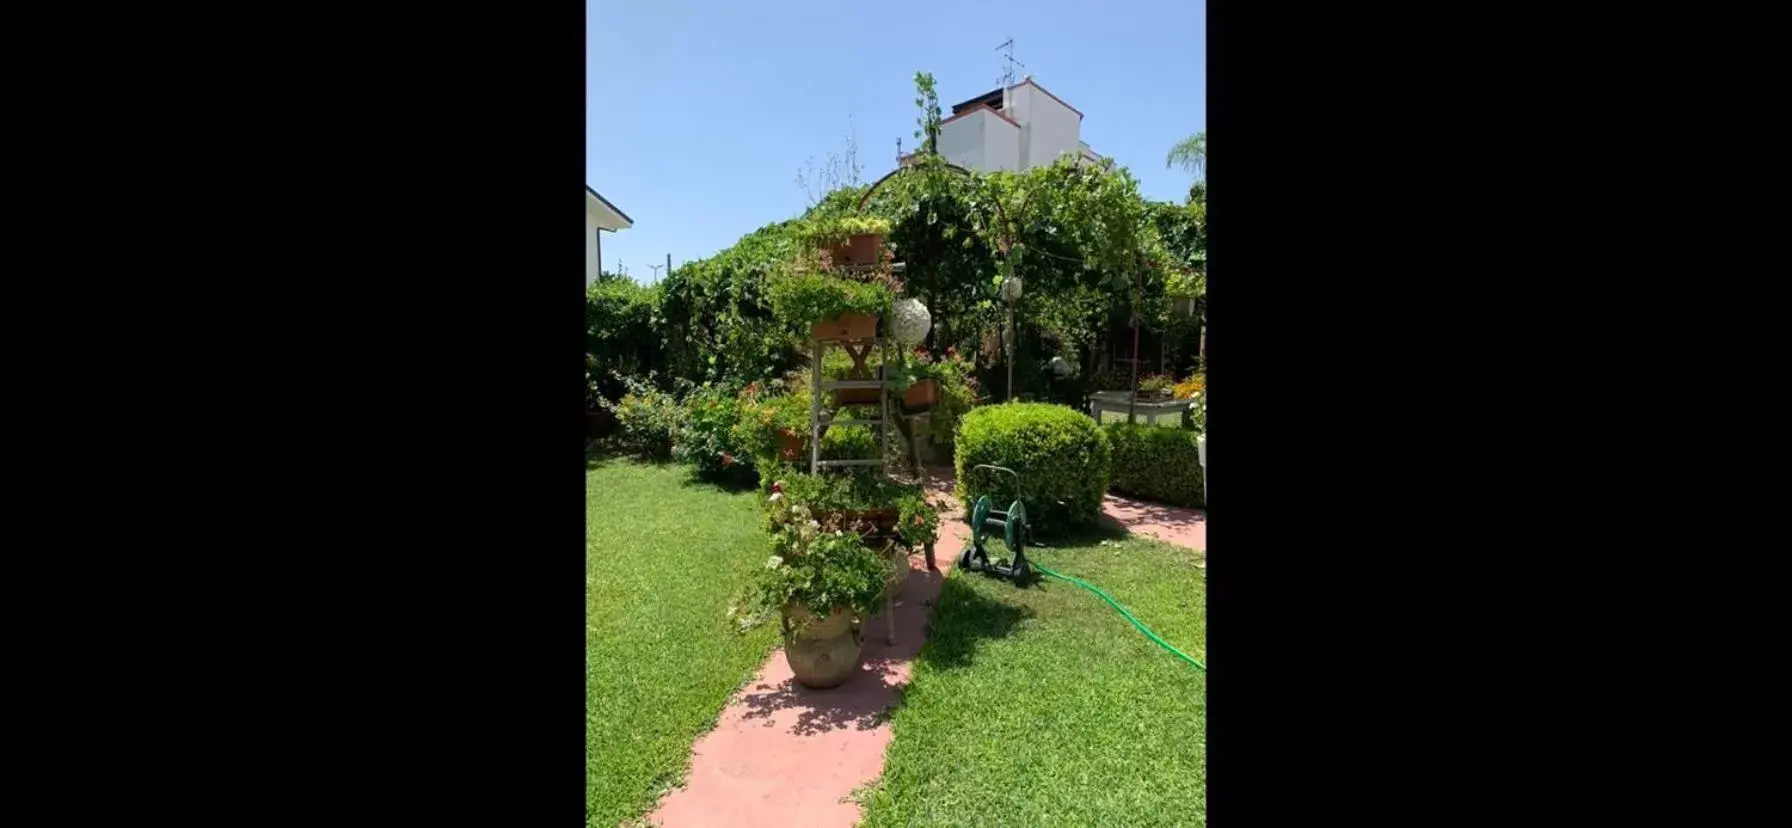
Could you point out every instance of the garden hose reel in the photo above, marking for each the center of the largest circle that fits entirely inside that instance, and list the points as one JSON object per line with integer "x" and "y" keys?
{"x": 1015, "y": 531}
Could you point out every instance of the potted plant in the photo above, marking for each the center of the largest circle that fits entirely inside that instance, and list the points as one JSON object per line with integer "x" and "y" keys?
{"x": 822, "y": 580}
{"x": 850, "y": 240}
{"x": 917, "y": 379}
{"x": 1156, "y": 387}
{"x": 772, "y": 424}
{"x": 835, "y": 308}
{"x": 918, "y": 520}
{"x": 863, "y": 499}
{"x": 864, "y": 239}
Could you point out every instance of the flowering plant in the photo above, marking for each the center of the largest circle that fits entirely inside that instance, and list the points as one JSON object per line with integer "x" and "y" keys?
{"x": 918, "y": 520}
{"x": 819, "y": 566}
{"x": 706, "y": 436}
{"x": 767, "y": 413}
{"x": 1190, "y": 387}
{"x": 909, "y": 369}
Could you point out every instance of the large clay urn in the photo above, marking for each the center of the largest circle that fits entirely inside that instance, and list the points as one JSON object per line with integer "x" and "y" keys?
{"x": 823, "y": 652}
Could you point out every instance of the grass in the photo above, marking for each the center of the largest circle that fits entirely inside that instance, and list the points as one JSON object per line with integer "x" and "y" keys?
{"x": 663, "y": 557}
{"x": 1044, "y": 706}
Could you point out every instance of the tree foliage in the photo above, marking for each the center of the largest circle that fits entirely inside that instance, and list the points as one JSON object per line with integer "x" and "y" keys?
{"x": 1190, "y": 154}
{"x": 1092, "y": 253}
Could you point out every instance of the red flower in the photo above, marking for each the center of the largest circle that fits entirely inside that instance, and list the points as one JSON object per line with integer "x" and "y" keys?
{"x": 951, "y": 352}
{"x": 727, "y": 460}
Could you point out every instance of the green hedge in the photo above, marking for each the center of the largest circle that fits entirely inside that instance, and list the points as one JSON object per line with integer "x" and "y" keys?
{"x": 1157, "y": 463}
{"x": 1062, "y": 457}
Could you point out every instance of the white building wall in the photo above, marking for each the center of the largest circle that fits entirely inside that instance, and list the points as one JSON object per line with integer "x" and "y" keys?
{"x": 1001, "y": 143}
{"x": 961, "y": 142}
{"x": 1053, "y": 128}
{"x": 1020, "y": 108}
{"x": 590, "y": 248}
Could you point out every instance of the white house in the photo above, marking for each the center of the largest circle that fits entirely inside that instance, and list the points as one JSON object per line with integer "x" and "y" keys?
{"x": 1013, "y": 128}
{"x": 600, "y": 215}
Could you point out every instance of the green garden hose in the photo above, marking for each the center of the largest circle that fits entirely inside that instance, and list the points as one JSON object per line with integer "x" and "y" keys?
{"x": 1135, "y": 622}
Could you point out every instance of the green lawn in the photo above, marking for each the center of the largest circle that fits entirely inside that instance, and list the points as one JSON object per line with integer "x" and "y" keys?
{"x": 663, "y": 557}
{"x": 1045, "y": 707}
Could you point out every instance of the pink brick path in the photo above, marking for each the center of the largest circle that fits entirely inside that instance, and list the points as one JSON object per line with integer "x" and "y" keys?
{"x": 1171, "y": 524}
{"x": 783, "y": 755}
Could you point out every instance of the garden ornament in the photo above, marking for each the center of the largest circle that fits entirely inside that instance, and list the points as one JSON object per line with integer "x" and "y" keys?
{"x": 910, "y": 321}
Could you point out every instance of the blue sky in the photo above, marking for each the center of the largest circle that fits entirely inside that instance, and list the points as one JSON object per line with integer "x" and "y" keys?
{"x": 699, "y": 112}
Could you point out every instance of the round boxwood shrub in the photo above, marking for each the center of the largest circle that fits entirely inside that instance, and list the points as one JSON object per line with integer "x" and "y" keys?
{"x": 1157, "y": 463}
{"x": 1062, "y": 456}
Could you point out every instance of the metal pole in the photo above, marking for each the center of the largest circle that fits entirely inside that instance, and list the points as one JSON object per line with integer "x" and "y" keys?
{"x": 1133, "y": 397}
{"x": 1011, "y": 352}
{"x": 815, "y": 409}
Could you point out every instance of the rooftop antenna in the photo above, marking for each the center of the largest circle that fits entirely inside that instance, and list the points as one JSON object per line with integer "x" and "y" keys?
{"x": 1008, "y": 62}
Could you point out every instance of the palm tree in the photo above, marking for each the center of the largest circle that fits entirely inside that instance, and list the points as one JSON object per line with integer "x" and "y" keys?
{"x": 1190, "y": 153}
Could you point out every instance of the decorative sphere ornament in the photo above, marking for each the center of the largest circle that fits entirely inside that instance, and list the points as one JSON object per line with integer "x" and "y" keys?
{"x": 1011, "y": 290}
{"x": 910, "y": 321}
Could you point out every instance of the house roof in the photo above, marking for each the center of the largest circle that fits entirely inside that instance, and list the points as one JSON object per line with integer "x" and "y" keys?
{"x": 1035, "y": 84}
{"x": 606, "y": 215}
{"x": 979, "y": 108}
{"x": 993, "y": 98}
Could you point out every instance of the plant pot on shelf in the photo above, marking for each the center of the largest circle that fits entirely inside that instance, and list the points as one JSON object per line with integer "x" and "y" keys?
{"x": 922, "y": 395}
{"x": 790, "y": 445}
{"x": 822, "y": 652}
{"x": 845, "y": 326}
{"x": 861, "y": 249}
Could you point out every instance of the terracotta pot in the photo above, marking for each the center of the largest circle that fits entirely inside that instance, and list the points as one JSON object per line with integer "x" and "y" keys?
{"x": 921, "y": 395}
{"x": 822, "y": 652}
{"x": 845, "y": 326}
{"x": 790, "y": 445}
{"x": 862, "y": 248}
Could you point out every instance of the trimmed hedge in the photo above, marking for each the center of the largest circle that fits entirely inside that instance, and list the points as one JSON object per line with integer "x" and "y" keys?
{"x": 1062, "y": 457}
{"x": 1157, "y": 463}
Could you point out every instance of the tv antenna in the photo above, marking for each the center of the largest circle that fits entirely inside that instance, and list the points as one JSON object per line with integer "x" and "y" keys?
{"x": 1009, "y": 63}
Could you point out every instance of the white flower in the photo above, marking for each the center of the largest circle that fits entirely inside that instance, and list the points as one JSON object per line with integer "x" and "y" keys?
{"x": 776, "y": 496}
{"x": 814, "y": 524}
{"x": 774, "y": 562}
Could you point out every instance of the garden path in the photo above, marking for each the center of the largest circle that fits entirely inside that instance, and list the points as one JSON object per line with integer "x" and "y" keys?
{"x": 783, "y": 755}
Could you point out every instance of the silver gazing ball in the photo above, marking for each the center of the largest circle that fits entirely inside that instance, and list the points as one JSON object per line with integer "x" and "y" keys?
{"x": 1011, "y": 289}
{"x": 910, "y": 321}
